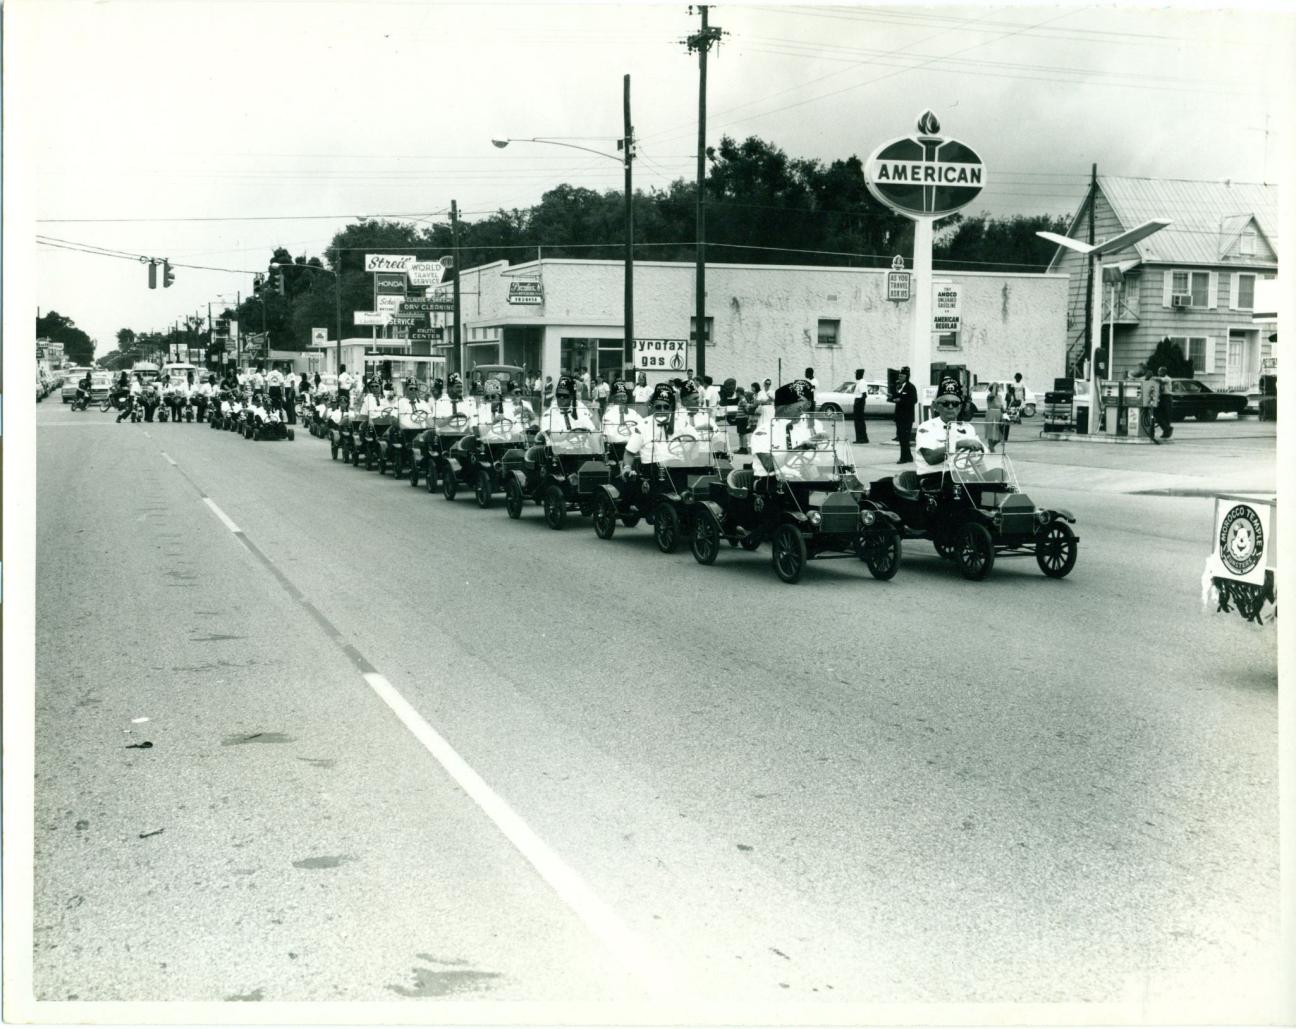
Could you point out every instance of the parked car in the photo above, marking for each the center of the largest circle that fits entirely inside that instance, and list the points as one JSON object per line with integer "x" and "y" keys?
{"x": 70, "y": 379}
{"x": 843, "y": 399}
{"x": 1192, "y": 399}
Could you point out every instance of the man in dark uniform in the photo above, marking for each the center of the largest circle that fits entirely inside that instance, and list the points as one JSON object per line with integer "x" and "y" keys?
{"x": 905, "y": 398}
{"x": 861, "y": 397}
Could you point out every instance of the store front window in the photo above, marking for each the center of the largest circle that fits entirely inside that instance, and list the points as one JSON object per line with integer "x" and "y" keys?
{"x": 600, "y": 356}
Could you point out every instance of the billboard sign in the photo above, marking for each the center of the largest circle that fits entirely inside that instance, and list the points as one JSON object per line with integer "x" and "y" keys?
{"x": 319, "y": 337}
{"x": 426, "y": 273}
{"x": 660, "y": 354}
{"x": 370, "y": 317}
{"x": 526, "y": 291}
{"x": 925, "y": 175}
{"x": 388, "y": 262}
{"x": 387, "y": 282}
{"x": 946, "y": 307}
{"x": 387, "y": 302}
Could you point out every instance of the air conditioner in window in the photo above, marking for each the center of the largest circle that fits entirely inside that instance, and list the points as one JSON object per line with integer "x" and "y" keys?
{"x": 1181, "y": 300}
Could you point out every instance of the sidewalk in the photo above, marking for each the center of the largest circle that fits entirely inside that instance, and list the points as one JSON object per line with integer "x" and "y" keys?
{"x": 1219, "y": 457}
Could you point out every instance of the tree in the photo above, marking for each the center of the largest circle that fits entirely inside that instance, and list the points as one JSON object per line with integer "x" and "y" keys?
{"x": 77, "y": 346}
{"x": 1010, "y": 243}
{"x": 1167, "y": 355}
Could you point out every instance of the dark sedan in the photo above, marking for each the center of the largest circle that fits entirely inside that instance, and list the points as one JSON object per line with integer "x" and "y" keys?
{"x": 1191, "y": 399}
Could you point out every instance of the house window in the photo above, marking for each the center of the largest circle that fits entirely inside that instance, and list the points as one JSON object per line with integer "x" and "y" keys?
{"x": 1247, "y": 244}
{"x": 829, "y": 332}
{"x": 1194, "y": 348}
{"x": 1246, "y": 292}
{"x": 1196, "y": 284}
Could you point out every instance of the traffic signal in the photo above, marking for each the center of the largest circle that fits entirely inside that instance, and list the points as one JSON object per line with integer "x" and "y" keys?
{"x": 279, "y": 282}
{"x": 168, "y": 276}
{"x": 152, "y": 274}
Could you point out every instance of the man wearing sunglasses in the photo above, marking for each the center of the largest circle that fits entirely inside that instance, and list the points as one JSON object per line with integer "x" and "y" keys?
{"x": 943, "y": 434}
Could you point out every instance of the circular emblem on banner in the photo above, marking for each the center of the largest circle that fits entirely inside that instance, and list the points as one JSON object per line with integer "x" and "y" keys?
{"x": 926, "y": 175}
{"x": 1241, "y": 541}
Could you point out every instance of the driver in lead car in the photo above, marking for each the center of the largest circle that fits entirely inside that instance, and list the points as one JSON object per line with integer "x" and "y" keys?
{"x": 566, "y": 413}
{"x": 495, "y": 420}
{"x": 942, "y": 435}
{"x": 453, "y": 405}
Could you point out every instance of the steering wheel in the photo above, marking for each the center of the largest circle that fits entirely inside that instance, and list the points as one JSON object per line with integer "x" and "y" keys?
{"x": 620, "y": 430}
{"x": 502, "y": 424}
{"x": 457, "y": 421}
{"x": 674, "y": 447}
{"x": 419, "y": 416}
{"x": 966, "y": 460}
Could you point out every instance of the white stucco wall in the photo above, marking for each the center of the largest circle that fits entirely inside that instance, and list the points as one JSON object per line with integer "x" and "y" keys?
{"x": 764, "y": 313}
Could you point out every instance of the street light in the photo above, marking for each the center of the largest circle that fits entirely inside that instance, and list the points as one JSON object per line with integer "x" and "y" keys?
{"x": 337, "y": 295}
{"x": 626, "y": 145}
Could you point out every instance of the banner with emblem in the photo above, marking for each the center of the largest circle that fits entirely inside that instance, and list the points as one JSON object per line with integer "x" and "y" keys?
{"x": 1241, "y": 541}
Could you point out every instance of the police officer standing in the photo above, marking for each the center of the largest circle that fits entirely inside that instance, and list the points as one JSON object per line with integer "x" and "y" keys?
{"x": 905, "y": 399}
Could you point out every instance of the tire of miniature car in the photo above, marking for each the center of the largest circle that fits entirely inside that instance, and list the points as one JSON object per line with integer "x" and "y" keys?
{"x": 449, "y": 486}
{"x": 705, "y": 544}
{"x": 605, "y": 517}
{"x": 881, "y": 552}
{"x": 974, "y": 551}
{"x": 485, "y": 487}
{"x": 789, "y": 553}
{"x": 414, "y": 470}
{"x": 666, "y": 527}
{"x": 382, "y": 462}
{"x": 945, "y": 546}
{"x": 291, "y": 437}
{"x": 1055, "y": 549}
{"x": 369, "y": 458}
{"x": 355, "y": 456}
{"x": 749, "y": 542}
{"x": 334, "y": 448}
{"x": 555, "y": 507}
{"x": 513, "y": 499}
{"x": 1028, "y": 410}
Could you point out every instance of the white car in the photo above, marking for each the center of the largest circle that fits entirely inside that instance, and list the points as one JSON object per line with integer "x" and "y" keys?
{"x": 843, "y": 399}
{"x": 977, "y": 395}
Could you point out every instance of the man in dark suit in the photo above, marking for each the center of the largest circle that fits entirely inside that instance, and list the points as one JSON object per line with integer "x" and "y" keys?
{"x": 861, "y": 397}
{"x": 905, "y": 398}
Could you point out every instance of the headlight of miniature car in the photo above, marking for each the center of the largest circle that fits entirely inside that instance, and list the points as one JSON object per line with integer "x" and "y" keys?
{"x": 867, "y": 517}
{"x": 815, "y": 518}
{"x": 1041, "y": 517}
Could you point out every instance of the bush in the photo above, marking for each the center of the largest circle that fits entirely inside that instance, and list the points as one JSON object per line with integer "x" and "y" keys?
{"x": 1167, "y": 355}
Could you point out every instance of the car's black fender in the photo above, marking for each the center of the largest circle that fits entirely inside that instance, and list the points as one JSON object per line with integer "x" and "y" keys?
{"x": 1061, "y": 513}
{"x": 610, "y": 491}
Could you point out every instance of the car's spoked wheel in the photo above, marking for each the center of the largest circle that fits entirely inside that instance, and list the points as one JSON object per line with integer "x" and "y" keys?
{"x": 605, "y": 517}
{"x": 449, "y": 487}
{"x": 485, "y": 487}
{"x": 333, "y": 448}
{"x": 431, "y": 472}
{"x": 1055, "y": 549}
{"x": 555, "y": 507}
{"x": 666, "y": 529}
{"x": 789, "y": 557}
{"x": 881, "y": 552}
{"x": 414, "y": 470}
{"x": 706, "y": 538}
{"x": 974, "y": 550}
{"x": 513, "y": 499}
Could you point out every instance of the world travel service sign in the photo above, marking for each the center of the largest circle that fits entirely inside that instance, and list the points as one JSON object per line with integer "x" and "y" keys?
{"x": 925, "y": 176}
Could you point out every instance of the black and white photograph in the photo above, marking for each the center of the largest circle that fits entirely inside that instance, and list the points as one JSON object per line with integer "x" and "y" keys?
{"x": 645, "y": 514}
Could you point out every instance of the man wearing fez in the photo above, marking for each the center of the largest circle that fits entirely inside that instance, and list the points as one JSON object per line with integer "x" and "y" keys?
{"x": 792, "y": 401}
{"x": 620, "y": 420}
{"x": 654, "y": 432}
{"x": 905, "y": 399}
{"x": 567, "y": 412}
{"x": 943, "y": 434}
{"x": 453, "y": 404}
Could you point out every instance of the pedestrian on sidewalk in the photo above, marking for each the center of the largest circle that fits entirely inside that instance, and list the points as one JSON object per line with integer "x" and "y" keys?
{"x": 1163, "y": 403}
{"x": 996, "y": 427}
{"x": 861, "y": 398}
{"x": 905, "y": 399}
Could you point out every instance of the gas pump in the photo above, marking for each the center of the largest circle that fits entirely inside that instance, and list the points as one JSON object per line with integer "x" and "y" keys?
{"x": 1126, "y": 406}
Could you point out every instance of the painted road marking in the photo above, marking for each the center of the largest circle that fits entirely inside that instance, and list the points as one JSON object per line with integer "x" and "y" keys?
{"x": 556, "y": 873}
{"x": 222, "y": 516}
{"x": 170, "y": 459}
{"x": 562, "y": 879}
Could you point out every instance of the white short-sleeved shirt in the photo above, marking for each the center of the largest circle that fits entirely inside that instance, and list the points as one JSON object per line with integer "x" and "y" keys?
{"x": 932, "y": 435}
{"x": 642, "y": 394}
{"x": 553, "y": 421}
{"x": 619, "y": 423}
{"x": 762, "y": 438}
{"x": 447, "y": 408}
{"x": 650, "y": 442}
{"x": 344, "y": 382}
{"x": 275, "y": 378}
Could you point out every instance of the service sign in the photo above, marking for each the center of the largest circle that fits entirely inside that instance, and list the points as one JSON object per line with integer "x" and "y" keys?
{"x": 407, "y": 321}
{"x": 526, "y": 291}
{"x": 660, "y": 354}
{"x": 946, "y": 307}
{"x": 1242, "y": 541}
{"x": 925, "y": 176}
{"x": 426, "y": 273}
{"x": 388, "y": 262}
{"x": 389, "y": 283}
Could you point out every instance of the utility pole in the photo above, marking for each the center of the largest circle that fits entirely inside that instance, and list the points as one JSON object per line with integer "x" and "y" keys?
{"x": 628, "y": 142}
{"x": 701, "y": 42}
{"x": 1093, "y": 262}
{"x": 454, "y": 249}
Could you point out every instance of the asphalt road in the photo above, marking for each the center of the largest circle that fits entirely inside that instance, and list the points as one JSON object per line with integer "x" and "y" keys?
{"x": 404, "y": 748}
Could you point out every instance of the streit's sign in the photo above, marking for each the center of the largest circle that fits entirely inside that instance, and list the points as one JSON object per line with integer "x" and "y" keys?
{"x": 388, "y": 262}
{"x": 926, "y": 175}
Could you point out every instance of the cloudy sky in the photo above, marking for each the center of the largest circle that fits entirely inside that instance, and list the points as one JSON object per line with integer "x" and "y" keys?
{"x": 211, "y": 132}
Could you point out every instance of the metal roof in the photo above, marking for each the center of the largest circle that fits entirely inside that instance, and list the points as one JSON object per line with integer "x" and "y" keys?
{"x": 1207, "y": 216}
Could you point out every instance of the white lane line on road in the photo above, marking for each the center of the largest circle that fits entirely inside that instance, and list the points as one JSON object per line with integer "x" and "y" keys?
{"x": 562, "y": 879}
{"x": 222, "y": 516}
{"x": 169, "y": 458}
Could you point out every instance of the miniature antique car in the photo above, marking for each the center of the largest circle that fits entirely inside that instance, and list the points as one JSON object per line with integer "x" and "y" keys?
{"x": 476, "y": 461}
{"x": 563, "y": 472}
{"x": 371, "y": 429}
{"x": 663, "y": 488}
{"x": 803, "y": 497}
{"x": 434, "y": 446}
{"x": 977, "y": 512}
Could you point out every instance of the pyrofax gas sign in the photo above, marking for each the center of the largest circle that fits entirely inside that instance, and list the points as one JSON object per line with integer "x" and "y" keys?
{"x": 925, "y": 176}
{"x": 388, "y": 262}
{"x": 660, "y": 354}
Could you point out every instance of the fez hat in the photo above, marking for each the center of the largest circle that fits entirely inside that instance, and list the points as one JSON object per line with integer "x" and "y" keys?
{"x": 793, "y": 392}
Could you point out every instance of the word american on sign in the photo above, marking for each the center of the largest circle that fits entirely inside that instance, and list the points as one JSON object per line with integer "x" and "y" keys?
{"x": 925, "y": 175}
{"x": 388, "y": 262}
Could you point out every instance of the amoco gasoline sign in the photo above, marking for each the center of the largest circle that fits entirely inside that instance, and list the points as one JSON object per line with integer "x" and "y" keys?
{"x": 925, "y": 176}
